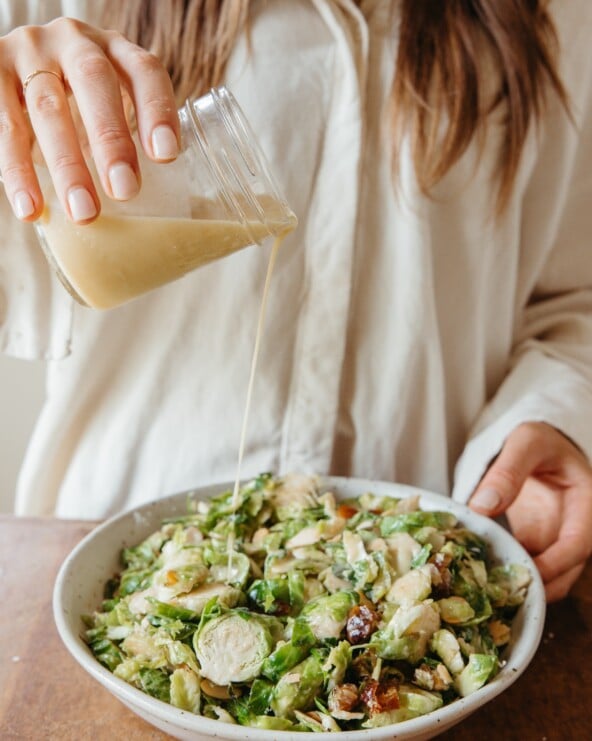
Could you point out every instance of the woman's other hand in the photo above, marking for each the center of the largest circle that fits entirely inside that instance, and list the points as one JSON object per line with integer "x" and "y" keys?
{"x": 70, "y": 57}
{"x": 543, "y": 483}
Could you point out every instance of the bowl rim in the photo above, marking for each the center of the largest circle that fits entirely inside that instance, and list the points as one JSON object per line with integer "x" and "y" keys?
{"x": 446, "y": 716}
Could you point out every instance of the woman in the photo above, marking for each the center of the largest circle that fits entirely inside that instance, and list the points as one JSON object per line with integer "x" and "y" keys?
{"x": 430, "y": 320}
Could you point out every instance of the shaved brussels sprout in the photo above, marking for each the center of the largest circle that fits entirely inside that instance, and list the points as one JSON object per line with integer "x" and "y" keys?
{"x": 335, "y": 667}
{"x": 270, "y": 595}
{"x": 232, "y": 647}
{"x": 402, "y": 549}
{"x": 375, "y": 503}
{"x": 269, "y": 723}
{"x": 289, "y": 654}
{"x": 414, "y": 586}
{"x": 219, "y": 563}
{"x": 294, "y": 496}
{"x": 444, "y": 644}
{"x": 327, "y": 615}
{"x": 297, "y": 689}
{"x": 422, "y": 618}
{"x": 455, "y": 610}
{"x": 480, "y": 668}
{"x": 175, "y": 612}
{"x": 145, "y": 553}
{"x": 106, "y": 651}
{"x": 476, "y": 598}
{"x": 418, "y": 701}
{"x": 184, "y": 690}
{"x": 155, "y": 682}
{"x": 411, "y": 648}
{"x": 197, "y": 599}
{"x": 410, "y": 522}
{"x": 472, "y": 544}
{"x": 282, "y": 595}
{"x": 260, "y": 696}
{"x": 513, "y": 580}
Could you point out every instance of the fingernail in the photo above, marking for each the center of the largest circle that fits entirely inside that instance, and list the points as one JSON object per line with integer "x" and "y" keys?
{"x": 164, "y": 143}
{"x": 23, "y": 204}
{"x": 487, "y": 498}
{"x": 123, "y": 181}
{"x": 82, "y": 205}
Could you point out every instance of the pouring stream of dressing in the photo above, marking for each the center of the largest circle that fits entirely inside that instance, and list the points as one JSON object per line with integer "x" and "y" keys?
{"x": 241, "y": 449}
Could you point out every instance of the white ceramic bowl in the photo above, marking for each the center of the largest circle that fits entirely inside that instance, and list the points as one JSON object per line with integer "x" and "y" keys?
{"x": 79, "y": 590}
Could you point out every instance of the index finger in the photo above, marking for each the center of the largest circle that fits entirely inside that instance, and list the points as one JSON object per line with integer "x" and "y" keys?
{"x": 97, "y": 92}
{"x": 521, "y": 454}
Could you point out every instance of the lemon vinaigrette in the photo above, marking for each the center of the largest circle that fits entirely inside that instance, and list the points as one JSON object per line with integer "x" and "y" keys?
{"x": 117, "y": 258}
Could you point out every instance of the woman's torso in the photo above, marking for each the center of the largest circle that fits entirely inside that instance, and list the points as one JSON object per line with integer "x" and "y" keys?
{"x": 391, "y": 317}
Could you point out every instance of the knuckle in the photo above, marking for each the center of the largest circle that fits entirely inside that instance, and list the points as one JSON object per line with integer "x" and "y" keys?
{"x": 48, "y": 104}
{"x": 158, "y": 108}
{"x": 111, "y": 133}
{"x": 10, "y": 127}
{"x": 25, "y": 36}
{"x": 94, "y": 67}
{"x": 66, "y": 25}
{"x": 112, "y": 35}
{"x": 16, "y": 172}
{"x": 145, "y": 62}
{"x": 65, "y": 162}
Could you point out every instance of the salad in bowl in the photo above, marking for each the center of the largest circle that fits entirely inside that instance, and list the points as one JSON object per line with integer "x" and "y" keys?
{"x": 308, "y": 605}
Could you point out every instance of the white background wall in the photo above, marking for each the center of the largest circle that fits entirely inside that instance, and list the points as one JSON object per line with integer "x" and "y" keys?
{"x": 21, "y": 396}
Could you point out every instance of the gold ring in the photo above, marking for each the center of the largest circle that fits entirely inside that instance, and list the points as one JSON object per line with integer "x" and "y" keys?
{"x": 36, "y": 72}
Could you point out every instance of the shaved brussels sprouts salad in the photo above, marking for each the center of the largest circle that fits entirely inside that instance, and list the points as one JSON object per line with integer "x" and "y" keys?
{"x": 329, "y": 616}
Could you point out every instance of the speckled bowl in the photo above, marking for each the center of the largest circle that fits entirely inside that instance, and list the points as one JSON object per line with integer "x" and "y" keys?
{"x": 79, "y": 589}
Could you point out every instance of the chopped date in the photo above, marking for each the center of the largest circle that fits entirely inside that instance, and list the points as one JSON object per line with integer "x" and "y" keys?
{"x": 362, "y": 621}
{"x": 388, "y": 694}
{"x": 368, "y": 696}
{"x": 379, "y": 697}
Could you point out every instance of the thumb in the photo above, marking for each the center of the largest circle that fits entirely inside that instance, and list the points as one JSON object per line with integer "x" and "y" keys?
{"x": 505, "y": 477}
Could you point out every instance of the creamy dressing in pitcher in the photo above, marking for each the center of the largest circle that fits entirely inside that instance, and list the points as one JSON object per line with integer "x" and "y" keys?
{"x": 116, "y": 258}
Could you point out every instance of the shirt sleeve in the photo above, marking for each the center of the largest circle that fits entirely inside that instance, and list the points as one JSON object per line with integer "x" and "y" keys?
{"x": 550, "y": 368}
{"x": 36, "y": 312}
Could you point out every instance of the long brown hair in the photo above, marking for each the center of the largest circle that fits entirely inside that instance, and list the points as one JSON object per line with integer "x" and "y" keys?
{"x": 437, "y": 94}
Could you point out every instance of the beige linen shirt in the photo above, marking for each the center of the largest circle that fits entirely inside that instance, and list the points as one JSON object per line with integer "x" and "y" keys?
{"x": 406, "y": 337}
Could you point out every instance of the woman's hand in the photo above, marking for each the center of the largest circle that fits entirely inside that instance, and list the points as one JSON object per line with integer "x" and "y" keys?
{"x": 544, "y": 484}
{"x": 63, "y": 57}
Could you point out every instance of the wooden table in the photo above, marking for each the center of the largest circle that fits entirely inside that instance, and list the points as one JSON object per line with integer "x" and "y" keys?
{"x": 44, "y": 694}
